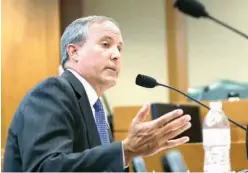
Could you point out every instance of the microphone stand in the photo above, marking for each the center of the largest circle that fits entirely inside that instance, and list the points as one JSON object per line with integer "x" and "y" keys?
{"x": 242, "y": 127}
{"x": 227, "y": 26}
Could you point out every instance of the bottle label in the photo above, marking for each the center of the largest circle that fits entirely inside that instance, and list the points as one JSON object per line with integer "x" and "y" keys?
{"x": 217, "y": 144}
{"x": 213, "y": 137}
{"x": 217, "y": 159}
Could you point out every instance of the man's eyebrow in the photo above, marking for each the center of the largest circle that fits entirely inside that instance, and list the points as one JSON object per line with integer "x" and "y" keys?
{"x": 109, "y": 38}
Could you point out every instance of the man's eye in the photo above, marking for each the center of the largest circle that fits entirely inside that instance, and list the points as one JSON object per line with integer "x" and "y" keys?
{"x": 105, "y": 44}
{"x": 120, "y": 49}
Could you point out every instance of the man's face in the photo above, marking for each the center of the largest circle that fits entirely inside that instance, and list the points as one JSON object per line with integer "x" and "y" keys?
{"x": 99, "y": 57}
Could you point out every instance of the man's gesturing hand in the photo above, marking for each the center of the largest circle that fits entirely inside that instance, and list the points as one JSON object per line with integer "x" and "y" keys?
{"x": 148, "y": 138}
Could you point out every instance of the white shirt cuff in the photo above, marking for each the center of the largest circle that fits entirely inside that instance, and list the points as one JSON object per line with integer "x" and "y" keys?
{"x": 124, "y": 164}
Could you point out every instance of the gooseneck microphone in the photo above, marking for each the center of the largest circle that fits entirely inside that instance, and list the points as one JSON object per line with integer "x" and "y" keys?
{"x": 149, "y": 82}
{"x": 195, "y": 9}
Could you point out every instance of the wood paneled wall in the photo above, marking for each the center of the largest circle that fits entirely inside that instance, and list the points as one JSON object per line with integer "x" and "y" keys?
{"x": 177, "y": 53}
{"x": 30, "y": 50}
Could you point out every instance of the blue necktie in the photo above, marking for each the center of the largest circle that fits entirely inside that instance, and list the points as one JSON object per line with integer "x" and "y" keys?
{"x": 101, "y": 122}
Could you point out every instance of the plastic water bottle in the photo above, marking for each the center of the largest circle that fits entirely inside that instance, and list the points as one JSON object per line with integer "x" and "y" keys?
{"x": 216, "y": 140}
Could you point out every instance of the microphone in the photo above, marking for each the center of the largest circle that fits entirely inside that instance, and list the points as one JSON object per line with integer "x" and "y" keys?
{"x": 173, "y": 161}
{"x": 149, "y": 82}
{"x": 195, "y": 9}
{"x": 139, "y": 164}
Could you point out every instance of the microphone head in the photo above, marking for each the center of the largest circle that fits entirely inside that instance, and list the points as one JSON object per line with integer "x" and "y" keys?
{"x": 191, "y": 7}
{"x": 145, "y": 81}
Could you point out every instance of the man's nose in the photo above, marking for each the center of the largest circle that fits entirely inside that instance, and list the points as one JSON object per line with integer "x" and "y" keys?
{"x": 115, "y": 54}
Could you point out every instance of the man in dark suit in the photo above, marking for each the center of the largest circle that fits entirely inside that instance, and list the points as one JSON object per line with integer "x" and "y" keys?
{"x": 60, "y": 124}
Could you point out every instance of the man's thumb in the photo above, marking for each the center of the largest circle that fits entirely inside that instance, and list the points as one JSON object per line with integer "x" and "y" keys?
{"x": 141, "y": 116}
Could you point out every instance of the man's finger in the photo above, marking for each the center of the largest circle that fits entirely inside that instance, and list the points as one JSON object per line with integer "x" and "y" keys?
{"x": 141, "y": 115}
{"x": 176, "y": 124}
{"x": 162, "y": 139}
{"x": 172, "y": 143}
{"x": 176, "y": 142}
{"x": 161, "y": 121}
{"x": 178, "y": 131}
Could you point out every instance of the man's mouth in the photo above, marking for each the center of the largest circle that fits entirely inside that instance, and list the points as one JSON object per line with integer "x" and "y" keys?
{"x": 111, "y": 68}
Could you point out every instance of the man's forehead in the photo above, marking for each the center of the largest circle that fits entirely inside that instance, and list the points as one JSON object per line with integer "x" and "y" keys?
{"x": 106, "y": 29}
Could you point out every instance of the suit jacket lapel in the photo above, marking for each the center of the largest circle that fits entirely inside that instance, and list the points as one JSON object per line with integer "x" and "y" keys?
{"x": 84, "y": 103}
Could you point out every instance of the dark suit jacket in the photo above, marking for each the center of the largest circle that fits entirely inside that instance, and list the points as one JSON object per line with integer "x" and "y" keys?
{"x": 53, "y": 130}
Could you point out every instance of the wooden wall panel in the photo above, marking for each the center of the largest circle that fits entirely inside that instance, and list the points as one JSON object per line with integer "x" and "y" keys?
{"x": 30, "y": 50}
{"x": 177, "y": 53}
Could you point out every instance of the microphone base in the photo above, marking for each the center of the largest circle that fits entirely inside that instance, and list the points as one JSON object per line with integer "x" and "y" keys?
{"x": 246, "y": 142}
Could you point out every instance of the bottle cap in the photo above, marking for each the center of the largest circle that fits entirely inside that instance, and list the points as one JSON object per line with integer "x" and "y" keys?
{"x": 215, "y": 105}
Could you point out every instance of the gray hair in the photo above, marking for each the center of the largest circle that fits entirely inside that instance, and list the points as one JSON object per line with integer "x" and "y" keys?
{"x": 76, "y": 33}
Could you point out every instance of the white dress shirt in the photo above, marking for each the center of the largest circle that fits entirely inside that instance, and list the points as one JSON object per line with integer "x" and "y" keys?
{"x": 92, "y": 96}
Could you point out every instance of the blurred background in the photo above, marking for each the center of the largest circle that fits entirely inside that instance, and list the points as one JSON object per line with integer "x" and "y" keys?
{"x": 194, "y": 56}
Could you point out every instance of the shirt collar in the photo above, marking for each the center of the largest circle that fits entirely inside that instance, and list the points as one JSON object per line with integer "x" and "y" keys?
{"x": 90, "y": 91}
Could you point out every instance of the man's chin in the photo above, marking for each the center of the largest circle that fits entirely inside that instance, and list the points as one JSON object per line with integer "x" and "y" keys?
{"x": 110, "y": 81}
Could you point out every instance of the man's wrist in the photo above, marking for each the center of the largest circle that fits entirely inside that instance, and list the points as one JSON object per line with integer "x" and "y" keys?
{"x": 128, "y": 154}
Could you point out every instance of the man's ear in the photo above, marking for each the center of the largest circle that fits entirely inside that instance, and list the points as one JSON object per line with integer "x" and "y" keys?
{"x": 72, "y": 52}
